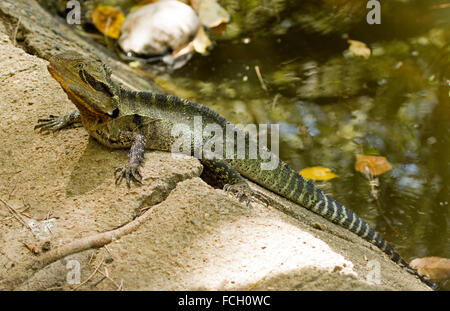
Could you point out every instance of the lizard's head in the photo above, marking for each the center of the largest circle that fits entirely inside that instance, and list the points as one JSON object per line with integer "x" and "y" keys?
{"x": 87, "y": 82}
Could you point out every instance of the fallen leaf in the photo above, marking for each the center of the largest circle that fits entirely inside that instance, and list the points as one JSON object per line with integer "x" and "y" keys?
{"x": 108, "y": 20}
{"x": 219, "y": 29}
{"x": 318, "y": 173}
{"x": 200, "y": 43}
{"x": 211, "y": 14}
{"x": 359, "y": 48}
{"x": 435, "y": 268}
{"x": 374, "y": 165}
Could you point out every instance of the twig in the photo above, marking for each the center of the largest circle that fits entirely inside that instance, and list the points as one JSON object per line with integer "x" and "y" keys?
{"x": 275, "y": 101}
{"x": 17, "y": 215}
{"x": 99, "y": 281}
{"x": 380, "y": 210}
{"x": 94, "y": 241}
{"x": 92, "y": 274}
{"x": 261, "y": 81}
{"x": 10, "y": 194}
{"x": 107, "y": 249}
{"x": 90, "y": 258}
{"x": 15, "y": 31}
{"x": 106, "y": 275}
{"x": 11, "y": 173}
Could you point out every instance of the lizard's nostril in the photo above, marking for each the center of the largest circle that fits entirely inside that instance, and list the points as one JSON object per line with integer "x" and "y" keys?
{"x": 114, "y": 113}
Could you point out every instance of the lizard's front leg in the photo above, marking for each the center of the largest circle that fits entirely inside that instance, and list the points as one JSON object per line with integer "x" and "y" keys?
{"x": 54, "y": 123}
{"x": 135, "y": 159}
{"x": 227, "y": 176}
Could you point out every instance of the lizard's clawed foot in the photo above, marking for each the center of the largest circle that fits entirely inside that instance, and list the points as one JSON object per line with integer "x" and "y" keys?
{"x": 243, "y": 191}
{"x": 128, "y": 171}
{"x": 52, "y": 124}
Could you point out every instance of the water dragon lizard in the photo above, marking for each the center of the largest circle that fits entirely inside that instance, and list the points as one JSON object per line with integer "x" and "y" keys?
{"x": 121, "y": 118}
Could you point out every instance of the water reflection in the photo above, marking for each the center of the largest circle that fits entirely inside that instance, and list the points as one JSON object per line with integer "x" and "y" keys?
{"x": 396, "y": 103}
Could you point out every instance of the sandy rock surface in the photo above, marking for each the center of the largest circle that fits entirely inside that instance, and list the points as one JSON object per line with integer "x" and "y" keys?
{"x": 190, "y": 235}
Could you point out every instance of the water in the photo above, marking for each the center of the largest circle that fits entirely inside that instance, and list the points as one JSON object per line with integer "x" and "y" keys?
{"x": 396, "y": 103}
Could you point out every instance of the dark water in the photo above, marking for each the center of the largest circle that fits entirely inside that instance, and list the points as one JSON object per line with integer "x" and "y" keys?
{"x": 395, "y": 104}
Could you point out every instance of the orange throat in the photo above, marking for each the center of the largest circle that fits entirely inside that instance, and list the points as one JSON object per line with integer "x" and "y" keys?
{"x": 89, "y": 116}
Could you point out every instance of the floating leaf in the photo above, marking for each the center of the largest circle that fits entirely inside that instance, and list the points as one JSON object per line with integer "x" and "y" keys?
{"x": 210, "y": 13}
{"x": 318, "y": 173}
{"x": 374, "y": 165}
{"x": 108, "y": 20}
{"x": 435, "y": 267}
{"x": 359, "y": 48}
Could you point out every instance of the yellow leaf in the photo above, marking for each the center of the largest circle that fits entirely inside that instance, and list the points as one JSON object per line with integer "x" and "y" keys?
{"x": 318, "y": 173}
{"x": 108, "y": 20}
{"x": 435, "y": 267}
{"x": 374, "y": 165}
{"x": 211, "y": 14}
{"x": 359, "y": 48}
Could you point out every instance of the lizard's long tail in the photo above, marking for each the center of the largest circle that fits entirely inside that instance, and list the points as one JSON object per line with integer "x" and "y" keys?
{"x": 291, "y": 185}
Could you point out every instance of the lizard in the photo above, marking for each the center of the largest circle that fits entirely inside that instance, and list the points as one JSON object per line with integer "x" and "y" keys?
{"x": 118, "y": 117}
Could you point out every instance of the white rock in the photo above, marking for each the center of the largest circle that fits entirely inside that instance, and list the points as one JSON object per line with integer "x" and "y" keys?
{"x": 158, "y": 27}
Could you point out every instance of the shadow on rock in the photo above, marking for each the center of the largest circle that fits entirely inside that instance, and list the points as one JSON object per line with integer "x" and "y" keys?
{"x": 94, "y": 167}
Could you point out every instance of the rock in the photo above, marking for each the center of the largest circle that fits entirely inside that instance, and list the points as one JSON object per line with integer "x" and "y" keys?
{"x": 158, "y": 28}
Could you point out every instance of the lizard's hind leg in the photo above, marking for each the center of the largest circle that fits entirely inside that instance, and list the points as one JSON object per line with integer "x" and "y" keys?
{"x": 54, "y": 123}
{"x": 222, "y": 174}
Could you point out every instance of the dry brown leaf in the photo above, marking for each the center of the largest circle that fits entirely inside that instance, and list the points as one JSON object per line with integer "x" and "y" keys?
{"x": 375, "y": 165}
{"x": 108, "y": 20}
{"x": 318, "y": 173}
{"x": 436, "y": 268}
{"x": 359, "y": 48}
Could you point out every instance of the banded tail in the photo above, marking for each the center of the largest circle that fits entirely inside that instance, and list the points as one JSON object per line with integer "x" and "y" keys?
{"x": 291, "y": 185}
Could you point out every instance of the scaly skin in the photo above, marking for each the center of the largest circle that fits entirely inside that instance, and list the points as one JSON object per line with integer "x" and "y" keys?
{"x": 121, "y": 118}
